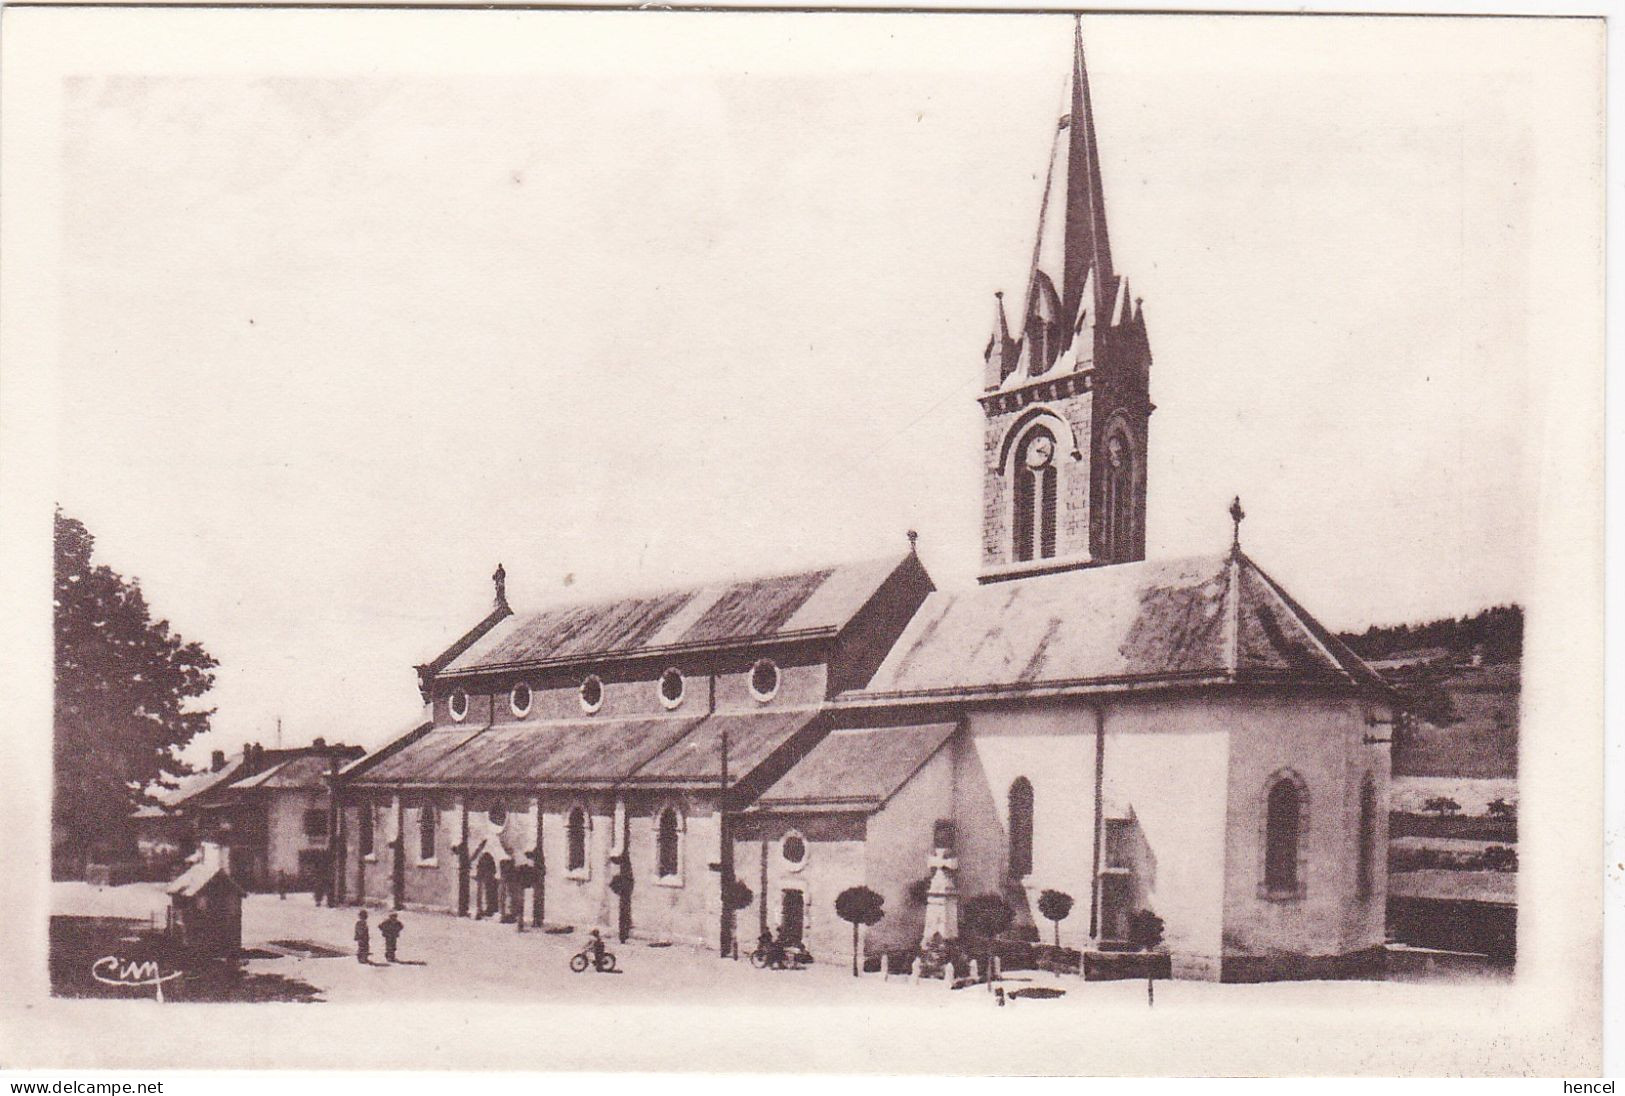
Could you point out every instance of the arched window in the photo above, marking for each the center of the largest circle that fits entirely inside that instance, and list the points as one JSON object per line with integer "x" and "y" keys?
{"x": 668, "y": 844}
{"x": 1365, "y": 876}
{"x": 1036, "y": 490}
{"x": 575, "y": 837}
{"x": 1117, "y": 499}
{"x": 364, "y": 827}
{"x": 427, "y": 818}
{"x": 1021, "y": 828}
{"x": 1284, "y": 817}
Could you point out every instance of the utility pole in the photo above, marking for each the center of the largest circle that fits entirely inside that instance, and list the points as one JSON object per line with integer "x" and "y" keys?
{"x": 725, "y": 858}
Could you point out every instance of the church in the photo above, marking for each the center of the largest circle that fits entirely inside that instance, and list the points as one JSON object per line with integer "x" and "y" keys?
{"x": 1177, "y": 737}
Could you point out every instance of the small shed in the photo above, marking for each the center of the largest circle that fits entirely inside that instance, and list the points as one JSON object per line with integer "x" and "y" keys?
{"x": 206, "y": 908}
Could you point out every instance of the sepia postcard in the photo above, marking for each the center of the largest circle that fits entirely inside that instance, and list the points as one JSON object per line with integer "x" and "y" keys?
{"x": 802, "y": 541}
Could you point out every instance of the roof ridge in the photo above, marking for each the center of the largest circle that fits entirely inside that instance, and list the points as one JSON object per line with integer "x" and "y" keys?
{"x": 1345, "y": 660}
{"x": 719, "y": 582}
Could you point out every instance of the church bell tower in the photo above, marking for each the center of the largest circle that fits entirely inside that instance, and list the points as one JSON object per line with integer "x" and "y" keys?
{"x": 1067, "y": 400}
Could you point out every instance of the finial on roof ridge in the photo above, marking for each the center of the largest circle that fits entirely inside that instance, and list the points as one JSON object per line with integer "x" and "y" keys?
{"x": 1237, "y": 514}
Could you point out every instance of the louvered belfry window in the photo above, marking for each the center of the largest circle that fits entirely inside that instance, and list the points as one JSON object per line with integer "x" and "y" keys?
{"x": 1036, "y": 491}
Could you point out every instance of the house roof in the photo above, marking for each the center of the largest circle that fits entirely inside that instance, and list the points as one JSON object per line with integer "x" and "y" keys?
{"x": 308, "y": 771}
{"x": 857, "y": 768}
{"x": 200, "y": 875}
{"x": 191, "y": 786}
{"x": 809, "y": 603}
{"x": 1204, "y": 620}
{"x": 591, "y": 752}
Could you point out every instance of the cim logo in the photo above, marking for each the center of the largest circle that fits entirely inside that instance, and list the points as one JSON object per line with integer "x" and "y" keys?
{"x": 114, "y": 971}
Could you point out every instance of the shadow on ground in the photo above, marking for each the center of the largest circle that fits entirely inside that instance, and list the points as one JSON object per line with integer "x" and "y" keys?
{"x": 128, "y": 950}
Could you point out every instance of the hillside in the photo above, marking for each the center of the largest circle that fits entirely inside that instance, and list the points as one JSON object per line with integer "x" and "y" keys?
{"x": 1461, "y": 676}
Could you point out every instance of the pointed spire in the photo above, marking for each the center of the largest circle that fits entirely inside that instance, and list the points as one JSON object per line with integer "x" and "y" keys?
{"x": 1087, "y": 246}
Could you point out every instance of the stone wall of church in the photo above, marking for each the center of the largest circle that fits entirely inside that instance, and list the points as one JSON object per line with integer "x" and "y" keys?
{"x": 581, "y": 897}
{"x": 687, "y": 907}
{"x": 431, "y": 882}
{"x": 1166, "y": 763}
{"x": 1319, "y": 740}
{"x": 834, "y": 860}
{"x": 898, "y": 847}
{"x": 1053, "y": 747}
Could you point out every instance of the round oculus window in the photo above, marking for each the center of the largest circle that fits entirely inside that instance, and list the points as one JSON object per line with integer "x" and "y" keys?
{"x": 794, "y": 849}
{"x": 519, "y": 699}
{"x": 764, "y": 679}
{"x": 457, "y": 705}
{"x": 498, "y": 816}
{"x": 592, "y": 693}
{"x": 671, "y": 688}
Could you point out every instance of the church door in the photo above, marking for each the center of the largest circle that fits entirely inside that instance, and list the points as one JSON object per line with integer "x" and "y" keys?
{"x": 793, "y": 916}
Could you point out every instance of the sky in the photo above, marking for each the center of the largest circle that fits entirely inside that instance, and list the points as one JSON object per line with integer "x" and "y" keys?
{"x": 628, "y": 300}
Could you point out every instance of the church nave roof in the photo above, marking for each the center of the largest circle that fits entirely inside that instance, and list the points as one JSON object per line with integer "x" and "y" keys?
{"x": 1203, "y": 620}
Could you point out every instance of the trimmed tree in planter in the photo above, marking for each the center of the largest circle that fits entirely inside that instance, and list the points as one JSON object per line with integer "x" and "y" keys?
{"x": 1056, "y": 906}
{"x": 985, "y": 916}
{"x": 860, "y": 906}
{"x": 1144, "y": 930}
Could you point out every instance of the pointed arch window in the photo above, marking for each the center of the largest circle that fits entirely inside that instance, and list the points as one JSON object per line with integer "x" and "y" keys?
{"x": 1286, "y": 816}
{"x": 1021, "y": 828}
{"x": 1117, "y": 501}
{"x": 1365, "y": 875}
{"x": 575, "y": 840}
{"x": 1036, "y": 490}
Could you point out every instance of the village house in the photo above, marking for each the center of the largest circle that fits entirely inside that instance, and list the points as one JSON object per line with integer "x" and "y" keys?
{"x": 1173, "y": 738}
{"x": 273, "y": 817}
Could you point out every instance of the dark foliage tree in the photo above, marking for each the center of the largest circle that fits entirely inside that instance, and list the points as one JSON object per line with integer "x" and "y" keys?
{"x": 124, "y": 683}
{"x": 860, "y": 906}
{"x": 1500, "y": 808}
{"x": 1498, "y": 632}
{"x": 1441, "y": 805}
{"x": 984, "y": 917}
{"x": 1056, "y": 906}
{"x": 739, "y": 896}
{"x": 1144, "y": 929}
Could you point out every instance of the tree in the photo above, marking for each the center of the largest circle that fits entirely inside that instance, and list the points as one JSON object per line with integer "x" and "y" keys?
{"x": 1441, "y": 805}
{"x": 1144, "y": 929}
{"x": 1056, "y": 906}
{"x": 123, "y": 686}
{"x": 860, "y": 906}
{"x": 1500, "y": 808}
{"x": 984, "y": 917}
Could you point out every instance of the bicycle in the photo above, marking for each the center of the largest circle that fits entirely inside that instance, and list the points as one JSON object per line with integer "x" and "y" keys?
{"x": 583, "y": 959}
{"x": 792, "y": 958}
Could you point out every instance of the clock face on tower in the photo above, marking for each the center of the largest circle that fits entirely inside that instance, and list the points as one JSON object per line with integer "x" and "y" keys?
{"x": 1116, "y": 452}
{"x": 1039, "y": 451}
